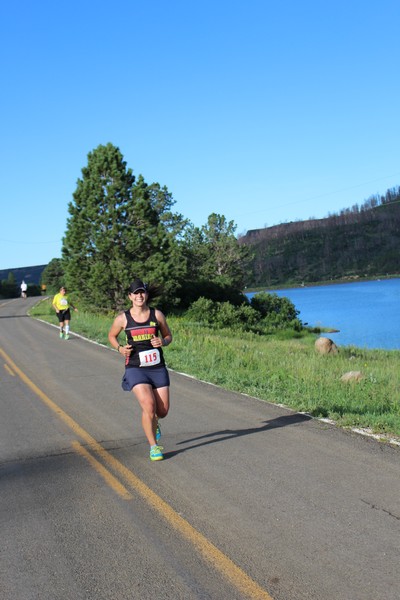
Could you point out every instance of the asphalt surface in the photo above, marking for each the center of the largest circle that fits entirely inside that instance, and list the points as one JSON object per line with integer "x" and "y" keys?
{"x": 251, "y": 501}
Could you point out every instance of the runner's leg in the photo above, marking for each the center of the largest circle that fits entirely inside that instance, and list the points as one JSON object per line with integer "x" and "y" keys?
{"x": 145, "y": 396}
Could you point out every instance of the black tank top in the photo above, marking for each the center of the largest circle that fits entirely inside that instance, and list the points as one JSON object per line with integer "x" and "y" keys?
{"x": 138, "y": 335}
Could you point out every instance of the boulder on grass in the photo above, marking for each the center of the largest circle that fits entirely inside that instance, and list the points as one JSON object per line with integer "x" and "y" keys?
{"x": 324, "y": 345}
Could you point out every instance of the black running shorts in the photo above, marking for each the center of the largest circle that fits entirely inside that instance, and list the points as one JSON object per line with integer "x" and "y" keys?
{"x": 157, "y": 377}
{"x": 64, "y": 315}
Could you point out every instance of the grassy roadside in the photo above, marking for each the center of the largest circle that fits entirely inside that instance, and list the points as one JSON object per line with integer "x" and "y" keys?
{"x": 280, "y": 368}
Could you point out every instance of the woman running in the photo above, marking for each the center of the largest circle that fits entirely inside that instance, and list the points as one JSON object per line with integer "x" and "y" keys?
{"x": 145, "y": 371}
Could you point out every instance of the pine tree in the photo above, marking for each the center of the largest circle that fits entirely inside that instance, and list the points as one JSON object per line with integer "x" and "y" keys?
{"x": 157, "y": 256}
{"x": 119, "y": 230}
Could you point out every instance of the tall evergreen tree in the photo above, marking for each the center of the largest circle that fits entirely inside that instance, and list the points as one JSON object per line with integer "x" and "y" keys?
{"x": 94, "y": 257}
{"x": 151, "y": 239}
{"x": 116, "y": 232}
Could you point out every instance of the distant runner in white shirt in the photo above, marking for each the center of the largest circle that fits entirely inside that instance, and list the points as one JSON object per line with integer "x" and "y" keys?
{"x": 24, "y": 288}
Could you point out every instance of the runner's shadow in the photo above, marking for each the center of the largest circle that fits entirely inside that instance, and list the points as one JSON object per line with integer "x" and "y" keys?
{"x": 229, "y": 434}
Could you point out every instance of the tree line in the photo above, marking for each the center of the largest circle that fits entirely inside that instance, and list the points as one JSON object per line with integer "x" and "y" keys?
{"x": 120, "y": 227}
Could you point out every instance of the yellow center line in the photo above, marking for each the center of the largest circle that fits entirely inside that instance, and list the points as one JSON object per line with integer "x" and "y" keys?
{"x": 211, "y": 553}
{"x": 7, "y": 368}
{"x": 107, "y": 476}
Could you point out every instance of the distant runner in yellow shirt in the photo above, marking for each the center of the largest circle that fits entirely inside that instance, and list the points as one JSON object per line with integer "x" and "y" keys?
{"x": 62, "y": 306}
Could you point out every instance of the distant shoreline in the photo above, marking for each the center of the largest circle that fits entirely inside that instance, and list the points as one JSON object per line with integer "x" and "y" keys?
{"x": 288, "y": 286}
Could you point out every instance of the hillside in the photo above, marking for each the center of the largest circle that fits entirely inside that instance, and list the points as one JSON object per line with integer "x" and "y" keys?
{"x": 29, "y": 274}
{"x": 359, "y": 242}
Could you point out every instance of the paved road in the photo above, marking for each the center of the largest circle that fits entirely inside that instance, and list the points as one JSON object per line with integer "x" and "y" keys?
{"x": 252, "y": 501}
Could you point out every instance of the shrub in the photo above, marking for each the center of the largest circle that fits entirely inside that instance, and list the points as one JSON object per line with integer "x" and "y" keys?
{"x": 269, "y": 313}
{"x": 202, "y": 310}
{"x": 271, "y": 305}
{"x": 227, "y": 315}
{"x": 249, "y": 317}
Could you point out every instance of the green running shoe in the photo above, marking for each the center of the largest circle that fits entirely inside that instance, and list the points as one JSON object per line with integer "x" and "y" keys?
{"x": 156, "y": 453}
{"x": 61, "y": 335}
{"x": 66, "y": 336}
{"x": 158, "y": 433}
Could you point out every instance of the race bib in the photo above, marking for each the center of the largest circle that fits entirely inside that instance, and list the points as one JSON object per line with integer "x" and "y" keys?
{"x": 148, "y": 358}
{"x": 63, "y": 302}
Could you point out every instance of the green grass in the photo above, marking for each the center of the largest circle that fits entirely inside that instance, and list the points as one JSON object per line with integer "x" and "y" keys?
{"x": 282, "y": 369}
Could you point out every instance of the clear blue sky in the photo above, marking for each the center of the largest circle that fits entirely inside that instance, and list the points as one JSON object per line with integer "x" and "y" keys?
{"x": 262, "y": 111}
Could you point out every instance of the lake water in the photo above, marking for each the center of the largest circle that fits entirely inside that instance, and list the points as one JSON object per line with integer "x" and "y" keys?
{"x": 367, "y": 314}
